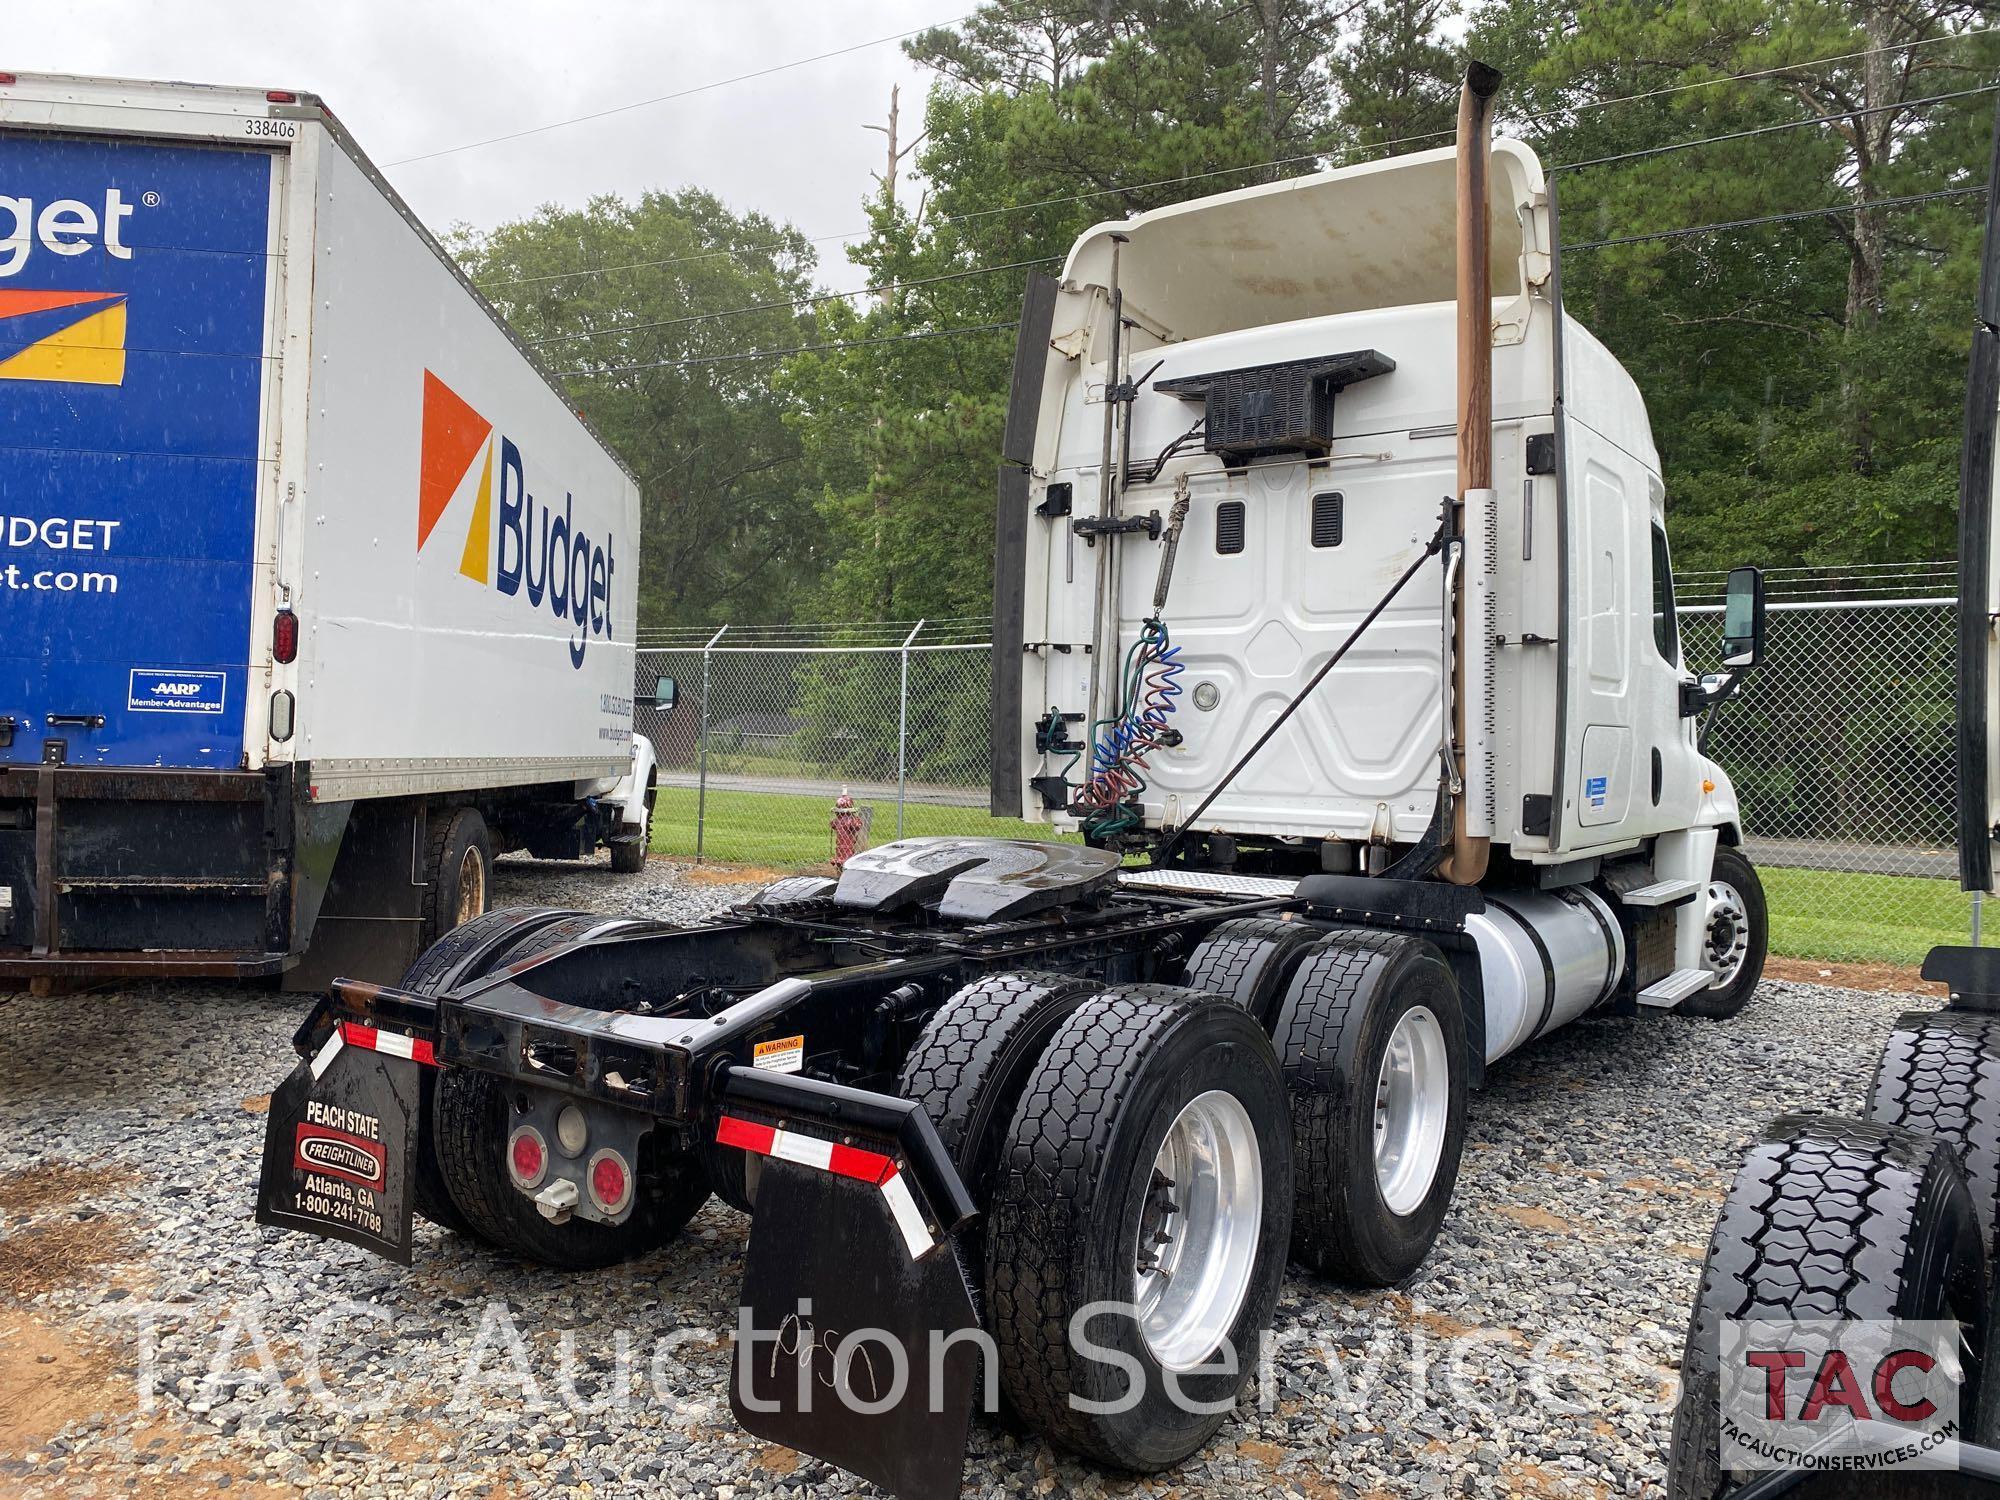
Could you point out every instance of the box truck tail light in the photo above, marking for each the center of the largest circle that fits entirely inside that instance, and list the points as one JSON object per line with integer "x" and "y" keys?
{"x": 6, "y": 79}
{"x": 285, "y": 636}
{"x": 282, "y": 711}
{"x": 281, "y": 96}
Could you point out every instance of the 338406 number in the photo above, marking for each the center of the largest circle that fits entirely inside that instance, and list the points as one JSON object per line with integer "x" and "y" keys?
{"x": 281, "y": 129}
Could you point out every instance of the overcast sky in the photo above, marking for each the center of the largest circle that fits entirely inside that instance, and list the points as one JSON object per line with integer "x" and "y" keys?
{"x": 414, "y": 76}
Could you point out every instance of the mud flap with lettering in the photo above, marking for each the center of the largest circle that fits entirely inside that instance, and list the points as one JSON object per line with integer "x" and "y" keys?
{"x": 850, "y": 1352}
{"x": 340, "y": 1148}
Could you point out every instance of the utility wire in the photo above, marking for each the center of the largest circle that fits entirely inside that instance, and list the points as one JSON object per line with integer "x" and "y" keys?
{"x": 1665, "y": 234}
{"x": 813, "y": 301}
{"x": 1559, "y": 167}
{"x": 1762, "y": 130}
{"x": 700, "y": 88}
{"x": 1770, "y": 72}
{"x": 999, "y": 327}
{"x": 1378, "y": 148}
{"x": 719, "y": 359}
{"x": 1784, "y": 218}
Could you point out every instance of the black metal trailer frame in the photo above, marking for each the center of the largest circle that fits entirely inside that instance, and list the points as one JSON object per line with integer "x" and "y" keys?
{"x": 654, "y": 1030}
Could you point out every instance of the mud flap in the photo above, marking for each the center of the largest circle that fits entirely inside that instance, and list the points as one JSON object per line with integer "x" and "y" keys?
{"x": 845, "y": 1346}
{"x": 340, "y": 1149}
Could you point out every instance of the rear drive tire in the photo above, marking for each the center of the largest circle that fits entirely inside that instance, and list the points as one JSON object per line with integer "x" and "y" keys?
{"x": 971, "y": 1063}
{"x": 464, "y": 953}
{"x": 1828, "y": 1219}
{"x": 1250, "y": 961}
{"x": 1151, "y": 1137}
{"x": 1940, "y": 1075}
{"x": 1737, "y": 939}
{"x": 1371, "y": 1035}
{"x": 628, "y": 851}
{"x": 458, "y": 870}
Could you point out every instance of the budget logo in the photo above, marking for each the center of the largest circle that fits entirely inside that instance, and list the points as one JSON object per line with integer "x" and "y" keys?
{"x": 519, "y": 546}
{"x": 74, "y": 337}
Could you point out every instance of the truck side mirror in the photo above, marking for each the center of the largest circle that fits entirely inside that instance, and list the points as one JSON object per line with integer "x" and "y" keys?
{"x": 1743, "y": 619}
{"x": 664, "y": 693}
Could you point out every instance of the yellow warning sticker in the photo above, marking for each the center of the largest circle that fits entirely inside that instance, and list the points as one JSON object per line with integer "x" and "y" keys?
{"x": 783, "y": 1054}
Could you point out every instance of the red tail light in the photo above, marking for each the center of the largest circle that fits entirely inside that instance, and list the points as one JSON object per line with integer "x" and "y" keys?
{"x": 285, "y": 636}
{"x": 527, "y": 1158}
{"x": 6, "y": 79}
{"x": 610, "y": 1183}
{"x": 281, "y": 96}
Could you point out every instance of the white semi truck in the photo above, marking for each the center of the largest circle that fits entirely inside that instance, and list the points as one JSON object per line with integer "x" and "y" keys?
{"x": 1333, "y": 608}
{"x": 317, "y": 592}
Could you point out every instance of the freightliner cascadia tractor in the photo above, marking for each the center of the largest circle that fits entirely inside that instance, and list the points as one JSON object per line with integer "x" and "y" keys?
{"x": 1333, "y": 611}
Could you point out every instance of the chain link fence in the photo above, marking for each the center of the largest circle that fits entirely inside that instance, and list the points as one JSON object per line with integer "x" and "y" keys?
{"x": 1842, "y": 750}
{"x": 769, "y": 726}
{"x": 1840, "y": 746}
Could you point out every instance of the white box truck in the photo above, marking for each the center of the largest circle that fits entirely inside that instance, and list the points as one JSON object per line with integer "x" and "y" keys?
{"x": 317, "y": 593}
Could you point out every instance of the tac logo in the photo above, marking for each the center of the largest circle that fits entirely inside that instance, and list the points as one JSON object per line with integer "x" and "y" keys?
{"x": 1824, "y": 1393}
{"x": 519, "y": 545}
{"x": 74, "y": 337}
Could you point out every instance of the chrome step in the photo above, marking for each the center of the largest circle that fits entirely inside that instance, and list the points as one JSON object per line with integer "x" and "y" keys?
{"x": 1207, "y": 883}
{"x": 1661, "y": 893}
{"x": 1676, "y": 987}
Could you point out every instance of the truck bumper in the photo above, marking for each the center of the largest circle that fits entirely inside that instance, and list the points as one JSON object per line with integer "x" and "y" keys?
{"x": 107, "y": 871}
{"x": 856, "y": 1337}
{"x": 150, "y": 965}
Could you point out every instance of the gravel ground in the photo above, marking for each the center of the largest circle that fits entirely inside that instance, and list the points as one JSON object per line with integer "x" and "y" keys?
{"x": 153, "y": 1339}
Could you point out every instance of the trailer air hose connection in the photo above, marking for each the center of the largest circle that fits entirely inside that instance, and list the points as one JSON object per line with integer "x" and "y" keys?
{"x": 1149, "y": 687}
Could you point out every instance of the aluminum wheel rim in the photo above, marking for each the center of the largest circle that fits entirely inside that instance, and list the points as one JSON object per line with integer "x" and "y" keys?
{"x": 1727, "y": 944}
{"x": 1412, "y": 1101}
{"x": 1198, "y": 1231}
{"x": 471, "y": 886}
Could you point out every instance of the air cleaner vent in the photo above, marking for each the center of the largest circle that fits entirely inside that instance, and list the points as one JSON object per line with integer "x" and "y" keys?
{"x": 1328, "y": 518}
{"x": 1229, "y": 526}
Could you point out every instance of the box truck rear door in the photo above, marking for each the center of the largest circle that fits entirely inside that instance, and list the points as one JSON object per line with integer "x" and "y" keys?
{"x": 133, "y": 296}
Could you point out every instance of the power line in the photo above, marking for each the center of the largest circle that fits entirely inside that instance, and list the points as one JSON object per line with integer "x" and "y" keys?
{"x": 1378, "y": 148}
{"x": 700, "y": 88}
{"x": 812, "y": 301}
{"x": 1559, "y": 167}
{"x": 1666, "y": 234}
{"x": 1762, "y": 130}
{"x": 1684, "y": 232}
{"x": 1771, "y": 72}
{"x": 720, "y": 359}
{"x": 1784, "y": 218}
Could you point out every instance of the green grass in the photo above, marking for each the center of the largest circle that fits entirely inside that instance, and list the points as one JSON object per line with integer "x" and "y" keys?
{"x": 1814, "y": 913}
{"x": 1892, "y": 919}
{"x": 755, "y": 828}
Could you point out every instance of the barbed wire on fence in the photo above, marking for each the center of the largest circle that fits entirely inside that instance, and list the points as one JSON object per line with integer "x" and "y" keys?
{"x": 889, "y": 635}
{"x": 1919, "y": 580}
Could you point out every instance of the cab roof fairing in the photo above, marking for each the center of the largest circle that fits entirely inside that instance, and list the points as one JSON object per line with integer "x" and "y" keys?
{"x": 1378, "y": 234}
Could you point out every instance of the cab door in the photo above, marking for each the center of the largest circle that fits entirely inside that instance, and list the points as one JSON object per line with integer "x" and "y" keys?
{"x": 1604, "y": 505}
{"x": 1630, "y": 767}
